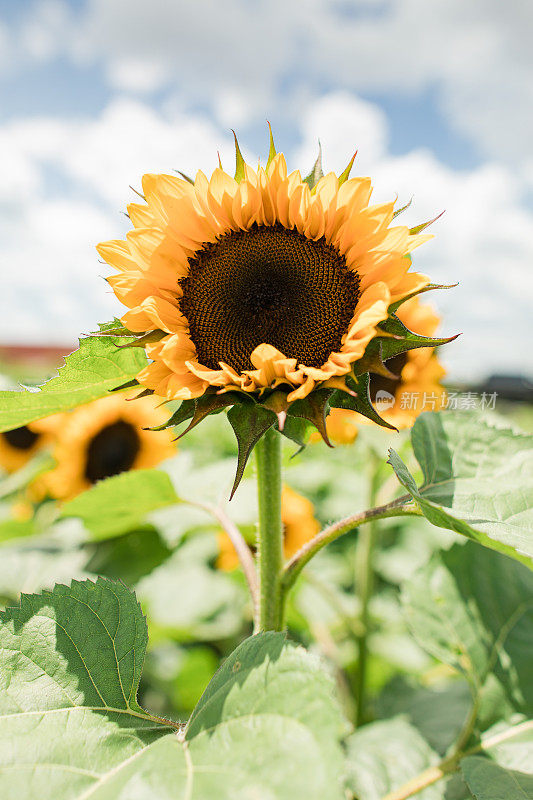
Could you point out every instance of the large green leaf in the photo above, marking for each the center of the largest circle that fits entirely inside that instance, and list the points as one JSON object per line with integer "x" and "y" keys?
{"x": 437, "y": 712}
{"x": 478, "y": 480}
{"x": 383, "y": 756}
{"x": 71, "y": 727}
{"x": 507, "y": 772}
{"x": 473, "y": 609}
{"x": 90, "y": 372}
{"x": 488, "y": 781}
{"x": 118, "y": 504}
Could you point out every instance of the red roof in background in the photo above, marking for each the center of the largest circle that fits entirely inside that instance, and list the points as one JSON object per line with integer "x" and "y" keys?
{"x": 35, "y": 352}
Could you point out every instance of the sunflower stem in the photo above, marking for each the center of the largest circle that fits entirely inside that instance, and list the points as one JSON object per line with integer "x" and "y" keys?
{"x": 270, "y": 530}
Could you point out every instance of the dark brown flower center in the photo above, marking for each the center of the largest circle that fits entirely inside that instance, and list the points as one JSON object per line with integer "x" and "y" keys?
{"x": 378, "y": 383}
{"x": 113, "y": 450}
{"x": 268, "y": 285}
{"x": 21, "y": 438}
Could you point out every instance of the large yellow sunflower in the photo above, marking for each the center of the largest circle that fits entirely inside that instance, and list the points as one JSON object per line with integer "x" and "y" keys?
{"x": 18, "y": 446}
{"x": 258, "y": 281}
{"x": 299, "y": 526}
{"x": 416, "y": 388}
{"x": 105, "y": 438}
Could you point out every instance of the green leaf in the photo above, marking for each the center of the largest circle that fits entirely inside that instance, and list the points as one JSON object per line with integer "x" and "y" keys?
{"x": 90, "y": 372}
{"x": 211, "y": 404}
{"x": 16, "y": 528}
{"x": 316, "y": 173}
{"x": 489, "y": 781}
{"x": 34, "y": 565}
{"x": 97, "y": 629}
{"x": 478, "y": 480}
{"x": 184, "y": 412}
{"x": 130, "y": 557}
{"x": 437, "y": 712}
{"x": 383, "y": 756}
{"x": 249, "y": 422}
{"x": 118, "y": 504}
{"x": 473, "y": 609}
{"x": 361, "y": 402}
{"x": 401, "y": 339}
{"x": 239, "y": 161}
{"x": 68, "y": 710}
{"x": 314, "y": 408}
{"x": 272, "y": 146}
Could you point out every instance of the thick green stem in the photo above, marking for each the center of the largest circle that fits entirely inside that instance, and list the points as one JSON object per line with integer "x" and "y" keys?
{"x": 270, "y": 530}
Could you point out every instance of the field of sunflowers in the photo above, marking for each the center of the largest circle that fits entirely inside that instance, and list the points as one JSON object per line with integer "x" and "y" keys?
{"x": 250, "y": 548}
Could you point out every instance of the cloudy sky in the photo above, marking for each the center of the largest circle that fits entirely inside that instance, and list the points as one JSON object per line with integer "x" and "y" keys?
{"x": 436, "y": 97}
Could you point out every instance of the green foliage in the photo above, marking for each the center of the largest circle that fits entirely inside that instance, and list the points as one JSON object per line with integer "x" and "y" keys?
{"x": 118, "y": 504}
{"x": 266, "y": 725}
{"x": 383, "y": 756}
{"x": 98, "y": 366}
{"x": 249, "y": 422}
{"x": 208, "y": 605}
{"x": 477, "y": 480}
{"x": 473, "y": 609}
{"x": 489, "y": 781}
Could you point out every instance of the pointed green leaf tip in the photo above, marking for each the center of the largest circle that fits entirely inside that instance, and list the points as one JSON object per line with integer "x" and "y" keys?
{"x": 272, "y": 148}
{"x": 316, "y": 173}
{"x": 239, "y": 160}
{"x": 250, "y": 423}
{"x": 424, "y": 225}
{"x": 343, "y": 177}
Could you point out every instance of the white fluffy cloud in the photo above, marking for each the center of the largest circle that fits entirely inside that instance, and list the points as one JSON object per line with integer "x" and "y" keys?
{"x": 65, "y": 183}
{"x": 270, "y": 54}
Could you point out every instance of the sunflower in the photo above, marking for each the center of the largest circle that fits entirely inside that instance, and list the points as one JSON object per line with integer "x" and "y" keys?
{"x": 299, "y": 526}
{"x": 105, "y": 438}
{"x": 264, "y": 288}
{"x": 413, "y": 387}
{"x": 18, "y": 446}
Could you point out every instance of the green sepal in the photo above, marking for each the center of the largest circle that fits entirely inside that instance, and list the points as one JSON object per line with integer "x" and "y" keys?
{"x": 402, "y": 339}
{"x": 372, "y": 361}
{"x": 316, "y": 173}
{"x": 343, "y": 177}
{"x": 272, "y": 147}
{"x": 239, "y": 160}
{"x": 428, "y": 288}
{"x": 144, "y": 393}
{"x": 296, "y": 429}
{"x": 250, "y": 421}
{"x": 148, "y": 338}
{"x": 185, "y": 176}
{"x": 358, "y": 399}
{"x": 183, "y": 413}
{"x": 128, "y": 385}
{"x": 424, "y": 225}
{"x": 314, "y": 408}
{"x": 403, "y": 208}
{"x": 211, "y": 404}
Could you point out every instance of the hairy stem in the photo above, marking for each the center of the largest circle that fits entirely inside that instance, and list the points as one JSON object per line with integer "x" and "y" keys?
{"x": 397, "y": 508}
{"x": 270, "y": 531}
{"x": 244, "y": 553}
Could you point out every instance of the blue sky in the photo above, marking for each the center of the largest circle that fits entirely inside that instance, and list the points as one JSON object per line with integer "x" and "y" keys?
{"x": 436, "y": 97}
